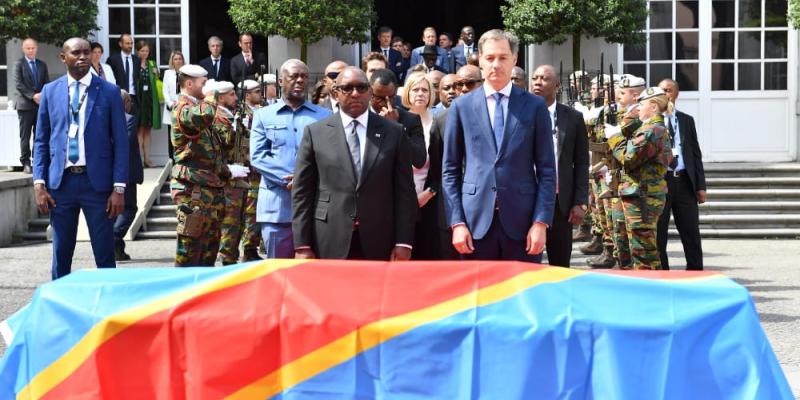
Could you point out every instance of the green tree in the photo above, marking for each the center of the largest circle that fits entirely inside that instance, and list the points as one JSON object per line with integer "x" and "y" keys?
{"x": 48, "y": 21}
{"x": 539, "y": 21}
{"x": 305, "y": 20}
{"x": 794, "y": 14}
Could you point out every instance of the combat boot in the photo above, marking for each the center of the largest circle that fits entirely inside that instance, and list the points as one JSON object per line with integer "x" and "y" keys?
{"x": 604, "y": 260}
{"x": 594, "y": 247}
{"x": 583, "y": 234}
{"x": 251, "y": 255}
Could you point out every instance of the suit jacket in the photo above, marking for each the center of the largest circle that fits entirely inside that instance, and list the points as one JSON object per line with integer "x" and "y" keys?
{"x": 118, "y": 66}
{"x": 274, "y": 139}
{"x": 573, "y": 159}
{"x": 454, "y": 59}
{"x": 24, "y": 82}
{"x": 135, "y": 168}
{"x": 224, "y": 69}
{"x": 434, "y": 179}
{"x": 396, "y": 63}
{"x": 519, "y": 177}
{"x": 690, "y": 150}
{"x": 462, "y": 49}
{"x": 441, "y": 59}
{"x": 240, "y": 69}
{"x": 412, "y": 124}
{"x": 105, "y": 135}
{"x": 326, "y": 199}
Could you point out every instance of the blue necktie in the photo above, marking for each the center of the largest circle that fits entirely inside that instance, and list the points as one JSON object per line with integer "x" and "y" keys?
{"x": 499, "y": 120}
{"x": 73, "y": 153}
{"x": 35, "y": 73}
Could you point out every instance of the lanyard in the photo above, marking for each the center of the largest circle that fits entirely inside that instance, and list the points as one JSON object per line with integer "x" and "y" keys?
{"x": 75, "y": 112}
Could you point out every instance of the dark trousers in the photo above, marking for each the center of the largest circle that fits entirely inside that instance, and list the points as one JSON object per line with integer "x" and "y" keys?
{"x": 356, "y": 251}
{"x": 170, "y": 149}
{"x": 27, "y": 125}
{"x": 426, "y": 233}
{"x": 124, "y": 220}
{"x": 497, "y": 245}
{"x": 559, "y": 239}
{"x": 682, "y": 202}
{"x": 75, "y": 194}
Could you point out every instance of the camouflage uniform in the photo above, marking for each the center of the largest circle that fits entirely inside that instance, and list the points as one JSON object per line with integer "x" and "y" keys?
{"x": 235, "y": 189}
{"x": 629, "y": 123}
{"x": 644, "y": 158}
{"x": 252, "y": 232}
{"x": 601, "y": 213}
{"x": 197, "y": 178}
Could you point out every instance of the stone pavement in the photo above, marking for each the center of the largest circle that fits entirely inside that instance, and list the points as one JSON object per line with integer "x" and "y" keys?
{"x": 768, "y": 268}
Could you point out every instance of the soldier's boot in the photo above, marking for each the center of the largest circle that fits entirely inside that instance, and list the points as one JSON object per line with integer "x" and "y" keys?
{"x": 583, "y": 234}
{"x": 594, "y": 247}
{"x": 251, "y": 255}
{"x": 604, "y": 260}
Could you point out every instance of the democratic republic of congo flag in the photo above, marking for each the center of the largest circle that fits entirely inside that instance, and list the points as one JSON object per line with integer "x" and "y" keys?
{"x": 290, "y": 329}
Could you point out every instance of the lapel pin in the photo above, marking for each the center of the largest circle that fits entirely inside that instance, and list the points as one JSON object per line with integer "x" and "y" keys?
{"x": 377, "y": 135}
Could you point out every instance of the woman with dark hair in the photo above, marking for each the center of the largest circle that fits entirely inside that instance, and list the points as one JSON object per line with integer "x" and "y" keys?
{"x": 98, "y": 68}
{"x": 148, "y": 95}
{"x": 320, "y": 93}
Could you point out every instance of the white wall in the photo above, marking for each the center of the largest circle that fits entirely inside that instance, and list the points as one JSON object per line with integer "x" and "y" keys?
{"x": 591, "y": 49}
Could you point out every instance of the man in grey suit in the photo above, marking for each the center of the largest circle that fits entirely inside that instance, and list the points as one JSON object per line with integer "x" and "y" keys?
{"x": 353, "y": 192}
{"x": 30, "y": 75}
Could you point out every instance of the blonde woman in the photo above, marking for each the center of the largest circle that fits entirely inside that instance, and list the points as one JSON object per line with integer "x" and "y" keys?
{"x": 644, "y": 156}
{"x": 170, "y": 91}
{"x": 418, "y": 98}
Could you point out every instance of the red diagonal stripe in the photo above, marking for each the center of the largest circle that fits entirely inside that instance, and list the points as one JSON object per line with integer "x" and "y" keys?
{"x": 214, "y": 344}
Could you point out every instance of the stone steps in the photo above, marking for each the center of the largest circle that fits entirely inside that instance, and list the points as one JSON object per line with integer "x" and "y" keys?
{"x": 161, "y": 221}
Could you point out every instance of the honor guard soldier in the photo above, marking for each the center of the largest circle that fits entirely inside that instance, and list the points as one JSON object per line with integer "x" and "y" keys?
{"x": 251, "y": 238}
{"x": 199, "y": 174}
{"x": 644, "y": 156}
{"x": 228, "y": 127}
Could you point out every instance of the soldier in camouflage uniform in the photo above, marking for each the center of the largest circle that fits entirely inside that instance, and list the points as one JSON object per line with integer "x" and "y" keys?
{"x": 252, "y": 231}
{"x": 231, "y": 132}
{"x": 644, "y": 157}
{"x": 199, "y": 173}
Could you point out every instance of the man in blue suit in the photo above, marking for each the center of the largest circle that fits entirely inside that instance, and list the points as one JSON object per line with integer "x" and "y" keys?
{"x": 429, "y": 39}
{"x": 80, "y": 158}
{"x": 274, "y": 139}
{"x": 498, "y": 175}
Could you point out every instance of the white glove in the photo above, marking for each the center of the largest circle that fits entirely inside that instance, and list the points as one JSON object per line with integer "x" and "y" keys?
{"x": 238, "y": 171}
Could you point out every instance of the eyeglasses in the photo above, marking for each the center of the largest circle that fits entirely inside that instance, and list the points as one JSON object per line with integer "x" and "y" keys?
{"x": 347, "y": 89}
{"x": 470, "y": 83}
{"x": 332, "y": 75}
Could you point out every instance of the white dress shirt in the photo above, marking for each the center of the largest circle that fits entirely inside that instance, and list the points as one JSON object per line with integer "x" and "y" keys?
{"x": 84, "y": 85}
{"x": 491, "y": 103}
{"x": 361, "y": 131}
{"x": 170, "y": 92}
{"x": 132, "y": 69}
{"x": 552, "y": 110}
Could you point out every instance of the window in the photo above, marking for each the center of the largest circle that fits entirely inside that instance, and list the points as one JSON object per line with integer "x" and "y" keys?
{"x": 672, "y": 48}
{"x": 749, "y": 45}
{"x": 156, "y": 21}
{"x": 3, "y": 72}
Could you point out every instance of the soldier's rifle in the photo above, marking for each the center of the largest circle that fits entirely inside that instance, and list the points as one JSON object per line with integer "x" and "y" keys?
{"x": 238, "y": 122}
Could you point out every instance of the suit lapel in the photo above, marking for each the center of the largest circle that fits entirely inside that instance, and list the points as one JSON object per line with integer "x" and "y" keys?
{"x": 561, "y": 124}
{"x": 481, "y": 111}
{"x": 512, "y": 121}
{"x": 374, "y": 140}
{"x": 94, "y": 88}
{"x": 339, "y": 145}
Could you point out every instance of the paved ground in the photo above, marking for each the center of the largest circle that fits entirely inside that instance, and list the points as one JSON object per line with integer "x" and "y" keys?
{"x": 767, "y": 268}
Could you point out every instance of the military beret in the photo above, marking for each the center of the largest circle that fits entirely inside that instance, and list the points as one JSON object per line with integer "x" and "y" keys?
{"x": 631, "y": 82}
{"x": 195, "y": 71}
{"x": 651, "y": 92}
{"x": 606, "y": 79}
{"x": 269, "y": 79}
{"x": 220, "y": 86}
{"x": 248, "y": 85}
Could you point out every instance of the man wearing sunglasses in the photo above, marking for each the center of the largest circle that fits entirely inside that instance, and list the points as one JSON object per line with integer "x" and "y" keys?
{"x": 469, "y": 77}
{"x": 331, "y": 72}
{"x": 498, "y": 172}
{"x": 353, "y": 194}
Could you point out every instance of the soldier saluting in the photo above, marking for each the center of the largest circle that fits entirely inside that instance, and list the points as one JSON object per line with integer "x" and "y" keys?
{"x": 199, "y": 174}
{"x": 644, "y": 156}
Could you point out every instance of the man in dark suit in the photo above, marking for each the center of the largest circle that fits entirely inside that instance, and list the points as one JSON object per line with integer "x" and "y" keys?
{"x": 80, "y": 158}
{"x": 384, "y": 90}
{"x": 125, "y": 66}
{"x": 454, "y": 59}
{"x": 246, "y": 64}
{"x": 30, "y": 75}
{"x": 135, "y": 177}
{"x": 572, "y": 157}
{"x": 686, "y": 181}
{"x": 498, "y": 173}
{"x": 399, "y": 45}
{"x": 469, "y": 47}
{"x": 218, "y": 67}
{"x": 393, "y": 57}
{"x": 353, "y": 192}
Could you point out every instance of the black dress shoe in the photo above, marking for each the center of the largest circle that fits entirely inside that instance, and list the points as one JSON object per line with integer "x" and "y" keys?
{"x": 27, "y": 169}
{"x": 121, "y": 255}
{"x": 251, "y": 255}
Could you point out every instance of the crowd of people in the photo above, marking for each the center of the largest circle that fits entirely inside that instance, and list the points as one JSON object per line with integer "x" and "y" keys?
{"x": 445, "y": 151}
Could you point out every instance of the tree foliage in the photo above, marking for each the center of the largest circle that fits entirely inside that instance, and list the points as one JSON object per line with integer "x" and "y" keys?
{"x": 793, "y": 14}
{"x": 305, "y": 20}
{"x": 48, "y": 21}
{"x": 539, "y": 21}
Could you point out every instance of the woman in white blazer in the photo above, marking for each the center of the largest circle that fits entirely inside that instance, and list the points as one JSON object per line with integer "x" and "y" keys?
{"x": 101, "y": 69}
{"x": 171, "y": 92}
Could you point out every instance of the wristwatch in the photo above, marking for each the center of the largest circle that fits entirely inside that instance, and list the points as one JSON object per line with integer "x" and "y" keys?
{"x": 119, "y": 189}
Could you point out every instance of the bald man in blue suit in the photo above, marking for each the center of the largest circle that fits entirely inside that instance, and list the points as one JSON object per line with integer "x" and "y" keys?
{"x": 80, "y": 158}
